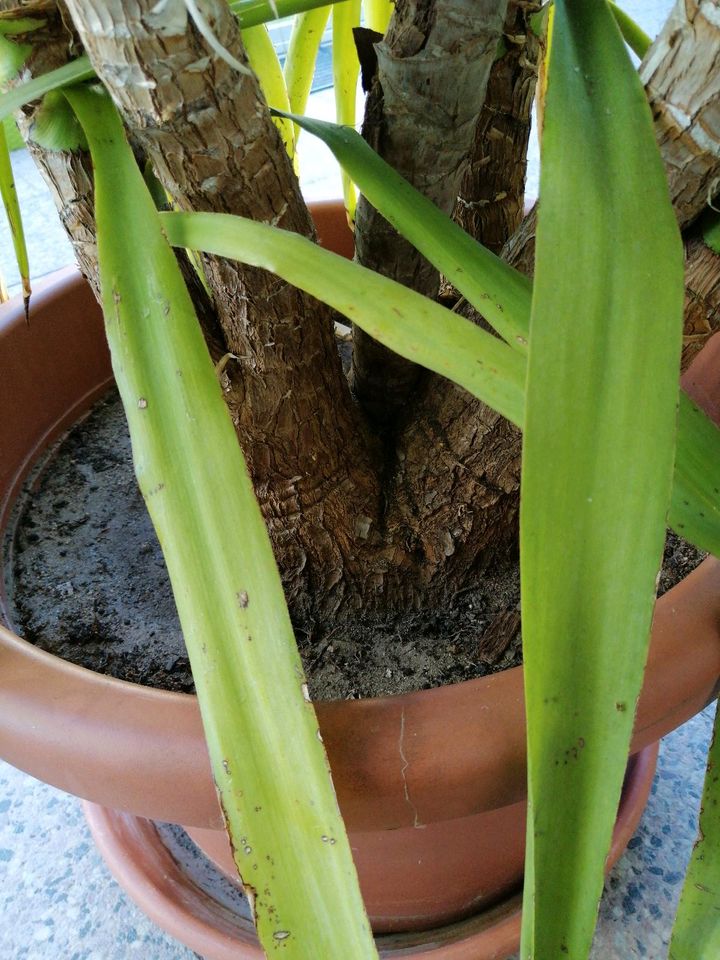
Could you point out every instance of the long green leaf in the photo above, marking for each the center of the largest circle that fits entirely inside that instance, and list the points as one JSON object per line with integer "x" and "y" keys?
{"x": 597, "y": 462}
{"x": 499, "y": 292}
{"x": 12, "y": 209}
{"x": 696, "y": 934}
{"x": 346, "y": 70}
{"x": 301, "y": 58}
{"x": 430, "y": 335}
{"x": 268, "y": 761}
{"x": 408, "y": 323}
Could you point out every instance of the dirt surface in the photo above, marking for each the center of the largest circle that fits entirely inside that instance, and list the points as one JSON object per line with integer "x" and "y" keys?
{"x": 86, "y": 580}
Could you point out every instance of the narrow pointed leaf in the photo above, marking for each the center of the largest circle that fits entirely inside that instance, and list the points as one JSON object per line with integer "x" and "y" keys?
{"x": 346, "y": 70}
{"x": 597, "y": 461}
{"x": 12, "y": 209}
{"x": 633, "y": 34}
{"x": 442, "y": 341}
{"x": 301, "y": 58}
{"x": 499, "y": 292}
{"x": 696, "y": 934}
{"x": 55, "y": 126}
{"x": 408, "y": 323}
{"x": 268, "y": 761}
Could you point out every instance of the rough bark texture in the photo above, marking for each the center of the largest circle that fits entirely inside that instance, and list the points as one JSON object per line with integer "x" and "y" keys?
{"x": 68, "y": 175}
{"x": 458, "y": 463}
{"x": 459, "y": 442}
{"x": 681, "y": 73}
{"x": 491, "y": 200}
{"x": 420, "y": 116}
{"x": 702, "y": 297}
{"x": 348, "y": 529}
{"x": 209, "y": 135}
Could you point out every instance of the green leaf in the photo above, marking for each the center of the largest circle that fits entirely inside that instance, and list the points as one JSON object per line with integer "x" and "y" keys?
{"x": 696, "y": 934}
{"x": 268, "y": 761}
{"x": 74, "y": 72}
{"x": 440, "y": 340}
{"x": 503, "y": 295}
{"x": 695, "y": 503}
{"x": 12, "y": 135}
{"x": 377, "y": 14}
{"x": 634, "y": 36}
{"x": 301, "y": 57}
{"x": 346, "y": 70}
{"x": 12, "y": 57}
{"x": 12, "y": 209}
{"x": 597, "y": 462}
{"x": 411, "y": 325}
{"x": 495, "y": 289}
{"x": 55, "y": 125}
{"x": 252, "y": 12}
{"x": 710, "y": 228}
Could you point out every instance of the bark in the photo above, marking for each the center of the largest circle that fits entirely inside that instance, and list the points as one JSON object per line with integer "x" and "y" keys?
{"x": 492, "y": 196}
{"x": 679, "y": 69}
{"x": 449, "y": 498}
{"x": 212, "y": 142}
{"x": 458, "y": 505}
{"x": 702, "y": 298}
{"x": 68, "y": 174}
{"x": 681, "y": 73}
{"x": 433, "y": 66}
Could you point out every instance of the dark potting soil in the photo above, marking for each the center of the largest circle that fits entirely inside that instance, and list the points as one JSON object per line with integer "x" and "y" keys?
{"x": 86, "y": 580}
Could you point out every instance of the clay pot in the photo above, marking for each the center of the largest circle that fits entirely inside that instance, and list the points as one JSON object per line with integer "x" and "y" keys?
{"x": 431, "y": 784}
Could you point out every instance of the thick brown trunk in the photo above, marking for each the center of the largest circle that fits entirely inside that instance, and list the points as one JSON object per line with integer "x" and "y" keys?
{"x": 449, "y": 499}
{"x": 455, "y": 491}
{"x": 212, "y": 142}
{"x": 482, "y": 473}
{"x": 421, "y": 113}
{"x": 68, "y": 175}
{"x": 492, "y": 195}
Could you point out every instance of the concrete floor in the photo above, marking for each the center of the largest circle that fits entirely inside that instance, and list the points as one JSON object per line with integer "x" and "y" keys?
{"x": 57, "y": 898}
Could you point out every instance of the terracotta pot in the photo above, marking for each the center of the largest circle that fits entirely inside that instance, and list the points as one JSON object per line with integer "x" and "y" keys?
{"x": 421, "y": 778}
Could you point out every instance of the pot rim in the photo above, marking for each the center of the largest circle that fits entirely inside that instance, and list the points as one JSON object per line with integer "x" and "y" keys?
{"x": 397, "y": 761}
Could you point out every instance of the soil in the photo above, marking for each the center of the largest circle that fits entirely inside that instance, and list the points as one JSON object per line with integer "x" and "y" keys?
{"x": 86, "y": 580}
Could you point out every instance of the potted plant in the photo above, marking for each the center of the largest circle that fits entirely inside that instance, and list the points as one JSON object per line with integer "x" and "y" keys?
{"x": 599, "y": 497}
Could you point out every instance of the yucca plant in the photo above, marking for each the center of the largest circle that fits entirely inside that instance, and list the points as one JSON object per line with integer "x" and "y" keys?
{"x": 397, "y": 487}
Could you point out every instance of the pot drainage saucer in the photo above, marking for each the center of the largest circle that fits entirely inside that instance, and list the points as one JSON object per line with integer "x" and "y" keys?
{"x": 179, "y": 889}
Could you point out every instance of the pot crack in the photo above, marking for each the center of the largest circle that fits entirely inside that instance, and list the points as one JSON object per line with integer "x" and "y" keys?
{"x": 403, "y": 770}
